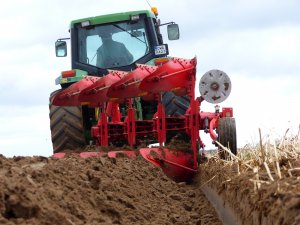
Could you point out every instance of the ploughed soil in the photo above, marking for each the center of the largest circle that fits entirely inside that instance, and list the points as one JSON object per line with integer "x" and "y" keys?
{"x": 252, "y": 195}
{"x": 72, "y": 190}
{"x": 101, "y": 190}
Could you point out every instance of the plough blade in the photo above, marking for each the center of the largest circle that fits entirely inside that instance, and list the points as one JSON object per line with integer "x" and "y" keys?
{"x": 128, "y": 86}
{"x": 61, "y": 155}
{"x": 174, "y": 75}
{"x": 176, "y": 165}
{"x": 92, "y": 154}
{"x": 69, "y": 96}
{"x": 115, "y": 154}
{"x": 96, "y": 93}
{"x": 111, "y": 154}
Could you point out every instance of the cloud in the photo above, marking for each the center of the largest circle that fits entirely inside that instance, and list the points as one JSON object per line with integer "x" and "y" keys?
{"x": 209, "y": 18}
{"x": 264, "y": 103}
{"x": 24, "y": 131}
{"x": 28, "y": 75}
{"x": 260, "y": 52}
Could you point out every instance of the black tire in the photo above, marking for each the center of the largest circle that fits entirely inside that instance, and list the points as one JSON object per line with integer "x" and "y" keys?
{"x": 66, "y": 125}
{"x": 227, "y": 136}
{"x": 175, "y": 105}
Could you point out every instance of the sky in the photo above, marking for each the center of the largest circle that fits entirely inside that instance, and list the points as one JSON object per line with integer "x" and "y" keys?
{"x": 257, "y": 43}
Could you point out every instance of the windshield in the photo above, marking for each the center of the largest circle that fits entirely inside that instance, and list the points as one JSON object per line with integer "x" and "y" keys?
{"x": 113, "y": 45}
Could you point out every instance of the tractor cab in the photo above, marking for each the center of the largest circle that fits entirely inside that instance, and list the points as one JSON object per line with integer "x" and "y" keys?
{"x": 116, "y": 41}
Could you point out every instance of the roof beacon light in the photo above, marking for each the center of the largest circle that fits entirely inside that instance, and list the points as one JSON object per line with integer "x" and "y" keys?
{"x": 155, "y": 11}
{"x": 85, "y": 23}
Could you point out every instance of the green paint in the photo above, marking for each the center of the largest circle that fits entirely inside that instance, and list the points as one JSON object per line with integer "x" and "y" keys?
{"x": 87, "y": 135}
{"x": 78, "y": 76}
{"x": 138, "y": 108}
{"x": 110, "y": 18}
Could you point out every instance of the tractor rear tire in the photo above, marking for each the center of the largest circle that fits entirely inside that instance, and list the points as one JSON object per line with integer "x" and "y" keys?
{"x": 66, "y": 124}
{"x": 175, "y": 105}
{"x": 227, "y": 136}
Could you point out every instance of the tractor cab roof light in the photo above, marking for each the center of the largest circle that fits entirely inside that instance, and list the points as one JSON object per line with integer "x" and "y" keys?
{"x": 85, "y": 23}
{"x": 134, "y": 17}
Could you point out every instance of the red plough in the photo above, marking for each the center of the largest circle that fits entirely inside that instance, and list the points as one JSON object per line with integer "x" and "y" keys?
{"x": 149, "y": 83}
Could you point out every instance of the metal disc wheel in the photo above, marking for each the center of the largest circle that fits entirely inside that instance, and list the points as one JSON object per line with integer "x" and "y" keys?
{"x": 227, "y": 136}
{"x": 66, "y": 124}
{"x": 215, "y": 86}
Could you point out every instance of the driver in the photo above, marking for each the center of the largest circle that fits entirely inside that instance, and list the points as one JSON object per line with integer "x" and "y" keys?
{"x": 112, "y": 53}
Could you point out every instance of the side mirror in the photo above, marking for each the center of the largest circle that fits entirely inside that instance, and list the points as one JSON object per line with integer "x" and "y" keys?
{"x": 173, "y": 31}
{"x": 61, "y": 48}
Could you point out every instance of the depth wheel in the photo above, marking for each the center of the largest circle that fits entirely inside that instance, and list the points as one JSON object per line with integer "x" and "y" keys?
{"x": 66, "y": 124}
{"x": 227, "y": 136}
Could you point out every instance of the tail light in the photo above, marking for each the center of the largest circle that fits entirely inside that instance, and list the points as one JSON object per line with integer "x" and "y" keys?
{"x": 160, "y": 61}
{"x": 69, "y": 73}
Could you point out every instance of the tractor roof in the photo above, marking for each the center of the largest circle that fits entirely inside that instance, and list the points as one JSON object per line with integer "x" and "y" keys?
{"x": 109, "y": 18}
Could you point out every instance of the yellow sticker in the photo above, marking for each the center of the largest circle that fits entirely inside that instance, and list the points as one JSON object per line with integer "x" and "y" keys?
{"x": 63, "y": 80}
{"x": 177, "y": 88}
{"x": 142, "y": 94}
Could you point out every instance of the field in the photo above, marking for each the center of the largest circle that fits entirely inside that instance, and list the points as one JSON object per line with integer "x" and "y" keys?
{"x": 261, "y": 185}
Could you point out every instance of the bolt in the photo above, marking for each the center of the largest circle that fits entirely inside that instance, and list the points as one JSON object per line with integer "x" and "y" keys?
{"x": 214, "y": 86}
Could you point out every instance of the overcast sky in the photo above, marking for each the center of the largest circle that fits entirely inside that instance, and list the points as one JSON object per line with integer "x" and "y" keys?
{"x": 257, "y": 43}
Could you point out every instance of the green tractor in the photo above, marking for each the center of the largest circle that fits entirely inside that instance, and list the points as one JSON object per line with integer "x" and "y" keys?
{"x": 136, "y": 39}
